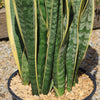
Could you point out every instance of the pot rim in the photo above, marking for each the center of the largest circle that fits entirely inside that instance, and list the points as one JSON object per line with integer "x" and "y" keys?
{"x": 81, "y": 69}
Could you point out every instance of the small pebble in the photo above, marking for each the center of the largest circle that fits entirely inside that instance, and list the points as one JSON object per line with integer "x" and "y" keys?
{"x": 2, "y": 95}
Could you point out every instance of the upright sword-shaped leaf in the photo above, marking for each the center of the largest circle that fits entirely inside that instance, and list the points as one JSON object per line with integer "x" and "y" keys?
{"x": 10, "y": 21}
{"x": 50, "y": 47}
{"x": 16, "y": 42}
{"x": 72, "y": 50}
{"x": 85, "y": 29}
{"x": 42, "y": 41}
{"x": 26, "y": 15}
{"x": 60, "y": 53}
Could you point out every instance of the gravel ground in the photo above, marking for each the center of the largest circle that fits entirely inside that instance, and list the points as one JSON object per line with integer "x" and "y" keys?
{"x": 7, "y": 67}
{"x": 91, "y": 63}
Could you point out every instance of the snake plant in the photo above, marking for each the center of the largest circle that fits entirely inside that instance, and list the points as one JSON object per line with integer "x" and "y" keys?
{"x": 49, "y": 39}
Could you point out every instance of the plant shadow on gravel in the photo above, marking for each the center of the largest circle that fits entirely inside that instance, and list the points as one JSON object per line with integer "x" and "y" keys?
{"x": 90, "y": 61}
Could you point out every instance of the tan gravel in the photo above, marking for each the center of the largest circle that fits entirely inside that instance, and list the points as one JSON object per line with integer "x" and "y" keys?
{"x": 79, "y": 92}
{"x": 7, "y": 67}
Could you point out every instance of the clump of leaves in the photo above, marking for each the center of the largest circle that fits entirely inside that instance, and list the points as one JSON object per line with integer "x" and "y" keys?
{"x": 1, "y": 3}
{"x": 49, "y": 39}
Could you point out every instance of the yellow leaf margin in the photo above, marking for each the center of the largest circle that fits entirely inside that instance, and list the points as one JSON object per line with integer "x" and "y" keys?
{"x": 10, "y": 33}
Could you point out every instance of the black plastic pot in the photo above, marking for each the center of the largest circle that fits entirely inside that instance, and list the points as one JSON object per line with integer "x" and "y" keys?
{"x": 15, "y": 97}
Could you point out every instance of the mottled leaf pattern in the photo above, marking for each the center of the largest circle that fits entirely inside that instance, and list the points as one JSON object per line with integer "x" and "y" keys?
{"x": 85, "y": 28}
{"x": 28, "y": 23}
{"x": 15, "y": 37}
{"x": 50, "y": 48}
{"x": 42, "y": 9}
{"x": 48, "y": 4}
{"x": 25, "y": 69}
{"x": 21, "y": 53}
{"x": 60, "y": 53}
{"x": 42, "y": 44}
{"x": 72, "y": 50}
{"x": 59, "y": 36}
{"x": 9, "y": 6}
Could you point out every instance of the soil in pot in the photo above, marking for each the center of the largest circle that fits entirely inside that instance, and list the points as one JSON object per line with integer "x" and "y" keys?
{"x": 79, "y": 92}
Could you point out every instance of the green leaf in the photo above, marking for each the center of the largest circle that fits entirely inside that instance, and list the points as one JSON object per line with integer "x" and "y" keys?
{"x": 83, "y": 5}
{"x": 59, "y": 37}
{"x": 60, "y": 52}
{"x": 42, "y": 9}
{"x": 16, "y": 41}
{"x": 50, "y": 48}
{"x": 16, "y": 35}
{"x": 42, "y": 45}
{"x": 85, "y": 29}
{"x": 25, "y": 69}
{"x": 26, "y": 15}
{"x": 22, "y": 56}
{"x": 72, "y": 50}
{"x": 56, "y": 90}
{"x": 51, "y": 85}
{"x": 48, "y": 4}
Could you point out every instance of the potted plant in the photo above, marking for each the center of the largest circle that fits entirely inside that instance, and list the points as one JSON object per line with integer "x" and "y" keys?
{"x": 49, "y": 40}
